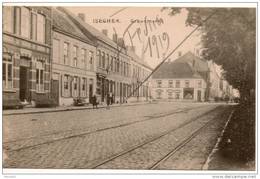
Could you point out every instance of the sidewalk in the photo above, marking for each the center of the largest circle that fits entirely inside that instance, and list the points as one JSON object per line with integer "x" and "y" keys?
{"x": 33, "y": 110}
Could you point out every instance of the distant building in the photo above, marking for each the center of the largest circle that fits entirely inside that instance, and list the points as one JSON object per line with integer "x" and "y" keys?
{"x": 140, "y": 70}
{"x": 179, "y": 80}
{"x": 194, "y": 78}
{"x": 26, "y": 53}
{"x": 74, "y": 62}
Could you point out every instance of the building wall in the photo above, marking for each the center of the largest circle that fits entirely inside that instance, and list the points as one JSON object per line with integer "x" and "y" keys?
{"x": 139, "y": 73}
{"x": 26, "y": 55}
{"x": 65, "y": 71}
{"x": 110, "y": 76}
{"x": 167, "y": 89}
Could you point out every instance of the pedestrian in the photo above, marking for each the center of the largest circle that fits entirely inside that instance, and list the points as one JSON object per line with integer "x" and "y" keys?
{"x": 110, "y": 97}
{"x": 94, "y": 102}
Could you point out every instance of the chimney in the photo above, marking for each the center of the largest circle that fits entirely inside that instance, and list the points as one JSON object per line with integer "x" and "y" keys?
{"x": 121, "y": 42}
{"x": 81, "y": 16}
{"x": 115, "y": 37}
{"x": 105, "y": 32}
{"x": 179, "y": 54}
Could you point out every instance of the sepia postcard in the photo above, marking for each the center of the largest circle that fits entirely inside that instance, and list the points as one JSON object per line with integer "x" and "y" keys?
{"x": 130, "y": 88}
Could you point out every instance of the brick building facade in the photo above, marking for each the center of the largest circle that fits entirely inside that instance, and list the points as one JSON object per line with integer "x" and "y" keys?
{"x": 26, "y": 53}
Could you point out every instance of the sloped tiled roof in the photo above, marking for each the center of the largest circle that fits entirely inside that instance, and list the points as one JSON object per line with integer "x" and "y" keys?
{"x": 199, "y": 64}
{"x": 92, "y": 31}
{"x": 174, "y": 69}
{"x": 63, "y": 23}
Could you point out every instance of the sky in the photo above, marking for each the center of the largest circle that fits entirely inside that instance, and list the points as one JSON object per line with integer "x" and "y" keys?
{"x": 161, "y": 38}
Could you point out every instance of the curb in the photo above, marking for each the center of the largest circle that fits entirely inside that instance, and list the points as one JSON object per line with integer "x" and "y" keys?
{"x": 215, "y": 149}
{"x": 72, "y": 109}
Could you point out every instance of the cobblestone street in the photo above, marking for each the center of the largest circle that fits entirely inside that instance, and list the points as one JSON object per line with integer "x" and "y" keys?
{"x": 127, "y": 137}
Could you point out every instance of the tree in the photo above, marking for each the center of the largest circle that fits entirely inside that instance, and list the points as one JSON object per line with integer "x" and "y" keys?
{"x": 229, "y": 39}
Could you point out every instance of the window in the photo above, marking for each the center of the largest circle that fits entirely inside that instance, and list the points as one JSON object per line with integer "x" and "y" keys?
{"x": 103, "y": 59}
{"x": 40, "y": 28}
{"x": 159, "y": 94}
{"x": 91, "y": 58}
{"x": 170, "y": 84}
{"x": 187, "y": 84}
{"x": 75, "y": 56}
{"x": 75, "y": 86}
{"x": 83, "y": 87}
{"x": 159, "y": 84}
{"x": 117, "y": 65}
{"x": 65, "y": 53}
{"x": 17, "y": 19}
{"x": 178, "y": 84}
{"x": 199, "y": 84}
{"x": 66, "y": 82}
{"x": 99, "y": 58}
{"x": 34, "y": 26}
{"x": 56, "y": 49}
{"x": 83, "y": 57}
{"x": 111, "y": 63}
{"x": 66, "y": 86}
{"x": 170, "y": 95}
{"x": 8, "y": 21}
{"x": 7, "y": 71}
{"x": 107, "y": 62}
{"x": 25, "y": 22}
{"x": 39, "y": 76}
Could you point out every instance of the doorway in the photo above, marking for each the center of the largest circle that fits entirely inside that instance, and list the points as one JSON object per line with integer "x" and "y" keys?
{"x": 199, "y": 96}
{"x": 24, "y": 87}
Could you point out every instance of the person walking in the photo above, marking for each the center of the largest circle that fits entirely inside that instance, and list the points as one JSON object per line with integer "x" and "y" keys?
{"x": 94, "y": 102}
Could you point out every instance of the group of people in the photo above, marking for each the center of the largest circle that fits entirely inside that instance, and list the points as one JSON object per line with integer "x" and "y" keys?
{"x": 109, "y": 100}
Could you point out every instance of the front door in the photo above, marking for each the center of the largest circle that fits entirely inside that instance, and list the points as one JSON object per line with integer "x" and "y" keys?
{"x": 90, "y": 92}
{"x": 55, "y": 91}
{"x": 199, "y": 96}
{"x": 24, "y": 89}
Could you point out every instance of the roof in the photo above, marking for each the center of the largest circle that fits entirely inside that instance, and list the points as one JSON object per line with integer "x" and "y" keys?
{"x": 174, "y": 69}
{"x": 63, "y": 23}
{"x": 199, "y": 64}
{"x": 90, "y": 29}
{"x": 138, "y": 59}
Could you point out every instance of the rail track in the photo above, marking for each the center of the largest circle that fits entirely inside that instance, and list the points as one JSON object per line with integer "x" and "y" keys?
{"x": 154, "y": 166}
{"x": 147, "y": 118}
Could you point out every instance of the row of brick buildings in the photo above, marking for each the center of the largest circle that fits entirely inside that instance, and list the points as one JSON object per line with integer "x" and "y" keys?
{"x": 49, "y": 53}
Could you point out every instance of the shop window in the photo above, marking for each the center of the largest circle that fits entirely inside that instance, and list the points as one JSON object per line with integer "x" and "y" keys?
{"x": 39, "y": 76}
{"x": 83, "y": 87}
{"x": 7, "y": 71}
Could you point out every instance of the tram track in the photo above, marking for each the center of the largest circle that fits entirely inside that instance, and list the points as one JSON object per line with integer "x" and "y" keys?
{"x": 147, "y": 118}
{"x": 99, "y": 163}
